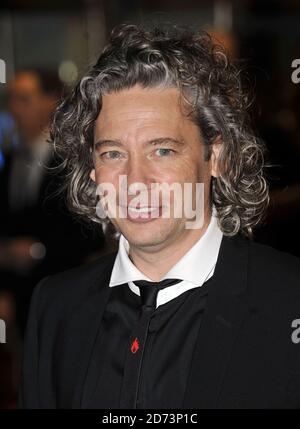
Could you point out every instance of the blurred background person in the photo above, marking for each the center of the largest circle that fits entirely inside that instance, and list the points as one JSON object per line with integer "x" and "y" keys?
{"x": 8, "y": 136}
{"x": 34, "y": 220}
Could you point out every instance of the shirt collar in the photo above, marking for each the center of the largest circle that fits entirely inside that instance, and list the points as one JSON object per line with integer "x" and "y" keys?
{"x": 195, "y": 266}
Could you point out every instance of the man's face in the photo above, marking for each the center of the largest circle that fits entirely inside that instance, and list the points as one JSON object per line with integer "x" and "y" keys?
{"x": 29, "y": 106}
{"x": 145, "y": 135}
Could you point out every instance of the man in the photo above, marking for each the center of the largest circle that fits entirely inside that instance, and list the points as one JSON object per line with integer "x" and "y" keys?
{"x": 189, "y": 313}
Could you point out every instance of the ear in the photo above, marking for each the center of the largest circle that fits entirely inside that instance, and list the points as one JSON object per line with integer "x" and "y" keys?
{"x": 215, "y": 153}
{"x": 92, "y": 175}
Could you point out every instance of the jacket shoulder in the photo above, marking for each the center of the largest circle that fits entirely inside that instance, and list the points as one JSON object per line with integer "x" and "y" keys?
{"x": 73, "y": 285}
{"x": 278, "y": 271}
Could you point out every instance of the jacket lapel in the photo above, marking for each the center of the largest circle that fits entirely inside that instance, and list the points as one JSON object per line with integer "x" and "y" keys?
{"x": 90, "y": 319}
{"x": 222, "y": 319}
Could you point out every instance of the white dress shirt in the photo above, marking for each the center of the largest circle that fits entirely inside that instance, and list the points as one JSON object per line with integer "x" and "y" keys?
{"x": 195, "y": 267}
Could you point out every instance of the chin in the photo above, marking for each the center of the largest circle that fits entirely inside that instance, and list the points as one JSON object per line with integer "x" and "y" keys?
{"x": 145, "y": 234}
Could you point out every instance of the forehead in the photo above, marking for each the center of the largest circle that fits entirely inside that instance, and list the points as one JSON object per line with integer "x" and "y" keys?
{"x": 141, "y": 109}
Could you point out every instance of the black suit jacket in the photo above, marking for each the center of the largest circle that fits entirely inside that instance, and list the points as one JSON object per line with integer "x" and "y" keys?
{"x": 244, "y": 356}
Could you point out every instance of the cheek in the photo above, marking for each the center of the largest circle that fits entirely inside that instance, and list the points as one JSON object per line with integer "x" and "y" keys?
{"x": 192, "y": 173}
{"x": 202, "y": 171}
{"x": 104, "y": 174}
{"x": 185, "y": 172}
{"x": 193, "y": 166}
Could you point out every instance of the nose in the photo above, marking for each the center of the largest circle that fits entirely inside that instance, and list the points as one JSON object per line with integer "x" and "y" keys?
{"x": 138, "y": 171}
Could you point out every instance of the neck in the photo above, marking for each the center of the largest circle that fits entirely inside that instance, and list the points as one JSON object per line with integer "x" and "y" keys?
{"x": 157, "y": 262}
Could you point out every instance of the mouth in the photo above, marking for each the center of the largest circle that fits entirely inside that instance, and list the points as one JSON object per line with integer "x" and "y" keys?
{"x": 145, "y": 209}
{"x": 141, "y": 214}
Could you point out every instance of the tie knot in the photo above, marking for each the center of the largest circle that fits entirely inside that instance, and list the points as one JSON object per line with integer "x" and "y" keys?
{"x": 149, "y": 290}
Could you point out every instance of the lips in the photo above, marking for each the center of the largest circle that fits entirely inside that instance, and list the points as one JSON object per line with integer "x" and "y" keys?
{"x": 142, "y": 209}
{"x": 142, "y": 214}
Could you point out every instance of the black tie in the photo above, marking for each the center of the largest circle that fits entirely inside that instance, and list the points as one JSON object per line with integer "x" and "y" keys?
{"x": 137, "y": 341}
{"x": 149, "y": 290}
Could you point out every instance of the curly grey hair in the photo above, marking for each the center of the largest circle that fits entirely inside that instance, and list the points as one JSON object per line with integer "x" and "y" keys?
{"x": 208, "y": 82}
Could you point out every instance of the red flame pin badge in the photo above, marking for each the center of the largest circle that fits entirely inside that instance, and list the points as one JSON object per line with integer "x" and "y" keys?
{"x": 134, "y": 346}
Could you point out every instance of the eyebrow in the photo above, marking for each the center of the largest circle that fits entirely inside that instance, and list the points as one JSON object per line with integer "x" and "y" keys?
{"x": 157, "y": 141}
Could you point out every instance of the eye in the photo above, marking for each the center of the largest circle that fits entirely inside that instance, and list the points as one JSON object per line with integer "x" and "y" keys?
{"x": 112, "y": 154}
{"x": 165, "y": 152}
